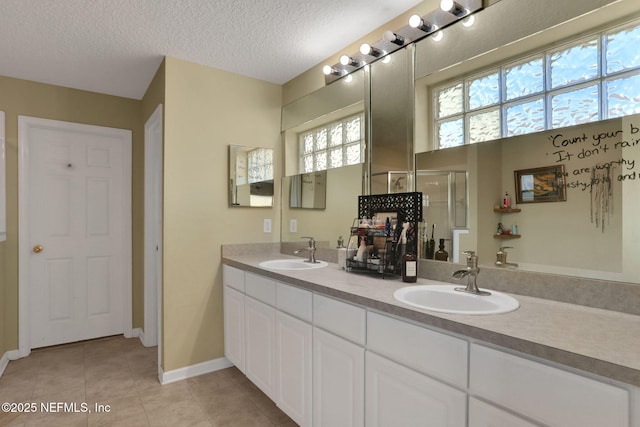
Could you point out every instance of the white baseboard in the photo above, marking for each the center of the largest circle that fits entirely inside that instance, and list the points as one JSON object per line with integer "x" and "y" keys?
{"x": 4, "y": 361}
{"x": 193, "y": 370}
{"x": 133, "y": 333}
{"x": 6, "y": 357}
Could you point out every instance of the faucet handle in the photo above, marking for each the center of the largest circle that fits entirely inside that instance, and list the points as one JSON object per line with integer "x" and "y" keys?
{"x": 502, "y": 248}
{"x": 472, "y": 259}
{"x": 312, "y": 241}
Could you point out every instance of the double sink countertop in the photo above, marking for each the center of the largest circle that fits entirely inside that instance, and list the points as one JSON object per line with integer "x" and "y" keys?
{"x": 602, "y": 342}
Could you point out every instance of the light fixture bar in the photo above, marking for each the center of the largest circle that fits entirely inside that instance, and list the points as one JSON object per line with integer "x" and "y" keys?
{"x": 418, "y": 28}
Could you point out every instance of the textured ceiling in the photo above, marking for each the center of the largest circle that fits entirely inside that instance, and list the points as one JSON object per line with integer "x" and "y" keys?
{"x": 116, "y": 46}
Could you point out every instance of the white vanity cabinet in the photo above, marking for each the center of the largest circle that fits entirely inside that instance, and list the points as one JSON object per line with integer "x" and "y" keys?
{"x": 260, "y": 345}
{"x": 294, "y": 353}
{"x": 338, "y": 363}
{"x": 546, "y": 394}
{"x": 481, "y": 414}
{"x": 233, "y": 300}
{"x": 399, "y": 396}
{"x": 328, "y": 362}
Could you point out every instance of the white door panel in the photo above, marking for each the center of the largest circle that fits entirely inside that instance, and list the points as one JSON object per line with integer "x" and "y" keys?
{"x": 78, "y": 214}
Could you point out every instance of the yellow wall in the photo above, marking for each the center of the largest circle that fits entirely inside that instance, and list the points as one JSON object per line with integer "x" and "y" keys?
{"x": 21, "y": 97}
{"x": 206, "y": 110}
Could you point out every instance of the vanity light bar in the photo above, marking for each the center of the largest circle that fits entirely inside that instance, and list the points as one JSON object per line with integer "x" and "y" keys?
{"x": 418, "y": 28}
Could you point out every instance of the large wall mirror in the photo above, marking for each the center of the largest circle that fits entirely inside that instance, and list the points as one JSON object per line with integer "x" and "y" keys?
{"x": 593, "y": 232}
{"x": 327, "y": 112}
{"x": 473, "y": 178}
{"x": 250, "y": 176}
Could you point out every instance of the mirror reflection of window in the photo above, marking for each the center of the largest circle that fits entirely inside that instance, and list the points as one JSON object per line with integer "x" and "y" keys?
{"x": 333, "y": 145}
{"x": 525, "y": 95}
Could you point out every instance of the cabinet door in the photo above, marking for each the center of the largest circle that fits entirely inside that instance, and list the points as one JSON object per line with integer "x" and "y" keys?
{"x": 482, "y": 414}
{"x": 234, "y": 327}
{"x": 260, "y": 337}
{"x": 402, "y": 397}
{"x": 545, "y": 394}
{"x": 338, "y": 381}
{"x": 293, "y": 367}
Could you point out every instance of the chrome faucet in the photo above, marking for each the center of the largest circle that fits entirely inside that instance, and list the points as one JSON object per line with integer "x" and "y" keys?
{"x": 471, "y": 273}
{"x": 311, "y": 248}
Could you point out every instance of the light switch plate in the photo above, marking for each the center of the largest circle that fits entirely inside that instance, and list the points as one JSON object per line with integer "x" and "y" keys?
{"x": 266, "y": 227}
{"x": 293, "y": 225}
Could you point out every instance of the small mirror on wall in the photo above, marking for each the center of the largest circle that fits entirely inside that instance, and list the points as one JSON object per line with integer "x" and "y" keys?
{"x": 250, "y": 176}
{"x": 309, "y": 191}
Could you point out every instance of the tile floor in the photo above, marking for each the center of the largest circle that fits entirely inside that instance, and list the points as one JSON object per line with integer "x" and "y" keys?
{"x": 122, "y": 373}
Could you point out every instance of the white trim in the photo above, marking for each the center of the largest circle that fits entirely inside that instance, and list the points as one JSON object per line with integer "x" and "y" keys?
{"x": 3, "y": 182}
{"x": 24, "y": 123}
{"x": 193, "y": 370}
{"x": 135, "y": 333}
{"x": 4, "y": 361}
{"x": 6, "y": 357}
{"x": 153, "y": 150}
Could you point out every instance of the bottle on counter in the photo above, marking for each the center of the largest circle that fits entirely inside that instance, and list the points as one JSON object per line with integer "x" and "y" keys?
{"x": 409, "y": 267}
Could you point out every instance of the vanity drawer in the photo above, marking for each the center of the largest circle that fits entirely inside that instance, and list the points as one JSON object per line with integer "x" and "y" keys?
{"x": 544, "y": 393}
{"x": 427, "y": 351}
{"x": 343, "y": 319}
{"x": 261, "y": 288}
{"x": 233, "y": 277}
{"x": 294, "y": 301}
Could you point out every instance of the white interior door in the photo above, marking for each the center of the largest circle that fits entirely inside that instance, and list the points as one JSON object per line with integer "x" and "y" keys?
{"x": 152, "y": 228}
{"x": 76, "y": 190}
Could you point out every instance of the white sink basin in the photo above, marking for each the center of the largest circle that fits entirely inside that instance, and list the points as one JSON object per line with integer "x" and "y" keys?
{"x": 444, "y": 299}
{"x": 291, "y": 264}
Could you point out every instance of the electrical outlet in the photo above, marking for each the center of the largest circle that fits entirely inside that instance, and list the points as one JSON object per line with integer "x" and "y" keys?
{"x": 293, "y": 225}
{"x": 266, "y": 227}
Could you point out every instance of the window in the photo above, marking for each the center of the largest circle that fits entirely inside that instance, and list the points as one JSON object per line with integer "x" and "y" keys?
{"x": 585, "y": 80}
{"x": 333, "y": 145}
{"x": 260, "y": 165}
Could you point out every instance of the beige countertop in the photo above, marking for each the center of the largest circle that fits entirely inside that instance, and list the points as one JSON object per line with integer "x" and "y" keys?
{"x": 598, "y": 341}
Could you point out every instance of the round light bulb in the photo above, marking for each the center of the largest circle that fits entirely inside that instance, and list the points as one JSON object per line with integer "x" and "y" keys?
{"x": 415, "y": 21}
{"x": 389, "y": 36}
{"x": 438, "y": 36}
{"x": 365, "y": 49}
{"x": 327, "y": 69}
{"x": 446, "y": 5}
{"x": 345, "y": 60}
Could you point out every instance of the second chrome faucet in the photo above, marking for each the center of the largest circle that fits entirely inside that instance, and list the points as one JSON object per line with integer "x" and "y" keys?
{"x": 471, "y": 273}
{"x": 311, "y": 249}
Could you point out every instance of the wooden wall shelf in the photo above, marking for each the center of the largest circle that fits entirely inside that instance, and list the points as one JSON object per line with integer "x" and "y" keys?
{"x": 507, "y": 210}
{"x": 506, "y": 236}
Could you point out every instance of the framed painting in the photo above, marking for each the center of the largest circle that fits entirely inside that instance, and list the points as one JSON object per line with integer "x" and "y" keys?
{"x": 546, "y": 184}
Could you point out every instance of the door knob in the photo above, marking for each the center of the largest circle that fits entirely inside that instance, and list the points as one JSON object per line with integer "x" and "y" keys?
{"x": 37, "y": 249}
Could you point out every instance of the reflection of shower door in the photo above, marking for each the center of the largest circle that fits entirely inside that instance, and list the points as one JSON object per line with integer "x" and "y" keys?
{"x": 444, "y": 198}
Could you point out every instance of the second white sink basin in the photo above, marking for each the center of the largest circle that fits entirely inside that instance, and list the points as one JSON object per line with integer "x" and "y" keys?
{"x": 291, "y": 264}
{"x": 444, "y": 299}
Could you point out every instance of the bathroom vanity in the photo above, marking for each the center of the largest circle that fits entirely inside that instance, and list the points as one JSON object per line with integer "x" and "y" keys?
{"x": 332, "y": 348}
